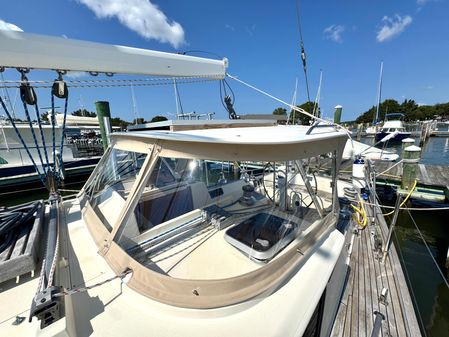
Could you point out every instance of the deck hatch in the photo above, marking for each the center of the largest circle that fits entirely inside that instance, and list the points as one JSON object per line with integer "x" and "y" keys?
{"x": 262, "y": 236}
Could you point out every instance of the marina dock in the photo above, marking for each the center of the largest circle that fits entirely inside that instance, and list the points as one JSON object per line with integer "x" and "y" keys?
{"x": 376, "y": 301}
{"x": 432, "y": 180}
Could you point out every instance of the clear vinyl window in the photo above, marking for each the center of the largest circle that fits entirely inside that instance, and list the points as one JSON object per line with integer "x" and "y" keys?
{"x": 110, "y": 187}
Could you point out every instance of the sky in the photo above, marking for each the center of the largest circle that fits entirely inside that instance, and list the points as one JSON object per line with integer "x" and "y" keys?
{"x": 346, "y": 39}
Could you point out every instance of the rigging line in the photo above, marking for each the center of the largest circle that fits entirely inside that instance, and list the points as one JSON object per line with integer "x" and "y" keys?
{"x": 303, "y": 52}
{"x": 132, "y": 80}
{"x": 230, "y": 89}
{"x": 38, "y": 116}
{"x": 201, "y": 52}
{"x": 388, "y": 169}
{"x": 63, "y": 126}
{"x": 7, "y": 96}
{"x": 27, "y": 114}
{"x": 123, "y": 85}
{"x": 53, "y": 131}
{"x": 295, "y": 108}
{"x": 21, "y": 140}
{"x": 429, "y": 251}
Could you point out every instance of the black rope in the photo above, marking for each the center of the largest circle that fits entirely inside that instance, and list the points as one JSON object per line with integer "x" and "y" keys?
{"x": 200, "y": 52}
{"x": 228, "y": 101}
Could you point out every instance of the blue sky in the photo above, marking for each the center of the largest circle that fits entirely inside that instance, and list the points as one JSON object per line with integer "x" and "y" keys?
{"x": 347, "y": 39}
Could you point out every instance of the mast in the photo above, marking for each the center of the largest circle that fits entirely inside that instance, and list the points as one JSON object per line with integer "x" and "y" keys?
{"x": 294, "y": 102}
{"x": 379, "y": 94}
{"x": 318, "y": 96}
{"x": 136, "y": 114}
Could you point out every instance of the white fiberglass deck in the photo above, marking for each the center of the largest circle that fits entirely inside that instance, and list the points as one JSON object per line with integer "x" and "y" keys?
{"x": 115, "y": 310}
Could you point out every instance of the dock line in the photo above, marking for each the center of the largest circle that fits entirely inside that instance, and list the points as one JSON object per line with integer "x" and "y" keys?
{"x": 406, "y": 198}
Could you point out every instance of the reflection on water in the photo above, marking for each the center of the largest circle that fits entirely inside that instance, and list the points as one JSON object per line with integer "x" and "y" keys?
{"x": 428, "y": 288}
{"x": 434, "y": 152}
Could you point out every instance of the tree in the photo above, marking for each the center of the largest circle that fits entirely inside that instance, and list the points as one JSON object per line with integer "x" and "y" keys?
{"x": 158, "y": 119}
{"x": 298, "y": 118}
{"x": 45, "y": 117}
{"x": 280, "y": 111}
{"x": 84, "y": 113}
{"x": 411, "y": 110}
{"x": 116, "y": 121}
{"x": 138, "y": 121}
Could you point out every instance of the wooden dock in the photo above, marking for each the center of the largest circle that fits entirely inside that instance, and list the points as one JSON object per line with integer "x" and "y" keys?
{"x": 375, "y": 289}
{"x": 429, "y": 175}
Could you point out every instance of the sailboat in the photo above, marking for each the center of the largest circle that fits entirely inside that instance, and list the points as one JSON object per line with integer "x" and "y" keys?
{"x": 198, "y": 228}
{"x": 374, "y": 128}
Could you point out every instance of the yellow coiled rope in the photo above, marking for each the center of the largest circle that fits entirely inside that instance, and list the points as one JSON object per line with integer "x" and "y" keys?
{"x": 406, "y": 198}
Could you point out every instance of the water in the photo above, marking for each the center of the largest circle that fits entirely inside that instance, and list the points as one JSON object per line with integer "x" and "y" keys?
{"x": 428, "y": 289}
{"x": 434, "y": 152}
{"x": 35, "y": 193}
{"x": 431, "y": 295}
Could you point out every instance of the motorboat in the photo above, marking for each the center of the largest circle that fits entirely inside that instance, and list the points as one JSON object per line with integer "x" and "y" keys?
{"x": 82, "y": 150}
{"x": 393, "y": 124}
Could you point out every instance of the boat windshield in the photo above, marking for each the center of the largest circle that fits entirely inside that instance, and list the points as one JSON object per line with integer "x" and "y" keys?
{"x": 110, "y": 186}
{"x": 188, "y": 207}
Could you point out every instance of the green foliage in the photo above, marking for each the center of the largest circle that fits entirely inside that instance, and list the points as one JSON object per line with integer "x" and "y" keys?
{"x": 280, "y": 111}
{"x": 158, "y": 119}
{"x": 296, "y": 117}
{"x": 408, "y": 107}
{"x": 116, "y": 121}
{"x": 45, "y": 117}
{"x": 84, "y": 113}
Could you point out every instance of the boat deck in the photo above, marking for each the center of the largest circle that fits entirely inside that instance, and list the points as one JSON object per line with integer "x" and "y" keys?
{"x": 366, "y": 280}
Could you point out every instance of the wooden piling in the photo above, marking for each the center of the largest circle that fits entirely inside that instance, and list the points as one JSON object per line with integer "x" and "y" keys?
{"x": 359, "y": 131}
{"x": 410, "y": 157}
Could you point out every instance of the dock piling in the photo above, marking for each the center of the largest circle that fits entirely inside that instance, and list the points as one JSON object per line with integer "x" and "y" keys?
{"x": 103, "y": 112}
{"x": 359, "y": 131}
{"x": 410, "y": 156}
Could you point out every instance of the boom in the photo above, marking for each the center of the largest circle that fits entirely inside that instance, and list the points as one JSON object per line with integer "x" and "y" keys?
{"x": 25, "y": 50}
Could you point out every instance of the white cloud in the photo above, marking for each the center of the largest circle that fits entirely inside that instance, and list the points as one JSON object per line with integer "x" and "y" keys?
{"x": 141, "y": 16}
{"x": 392, "y": 26}
{"x": 250, "y": 30}
{"x": 228, "y": 26}
{"x": 333, "y": 32}
{"x": 76, "y": 74}
{"x": 9, "y": 26}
